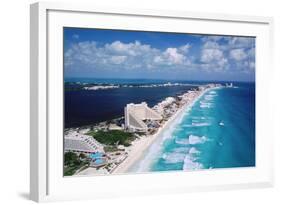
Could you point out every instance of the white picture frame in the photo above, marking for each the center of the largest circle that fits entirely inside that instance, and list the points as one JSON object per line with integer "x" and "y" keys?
{"x": 46, "y": 179}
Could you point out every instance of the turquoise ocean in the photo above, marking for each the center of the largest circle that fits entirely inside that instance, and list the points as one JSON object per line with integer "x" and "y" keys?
{"x": 218, "y": 131}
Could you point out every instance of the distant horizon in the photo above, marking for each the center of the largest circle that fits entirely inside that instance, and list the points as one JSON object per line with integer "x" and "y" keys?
{"x": 164, "y": 79}
{"x": 105, "y": 54}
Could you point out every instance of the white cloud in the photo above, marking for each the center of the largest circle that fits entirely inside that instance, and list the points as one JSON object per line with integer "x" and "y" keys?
{"x": 224, "y": 52}
{"x": 173, "y": 56}
{"x": 211, "y": 44}
{"x": 248, "y": 66}
{"x": 251, "y": 52}
{"x": 119, "y": 47}
{"x": 214, "y": 53}
{"x": 132, "y": 49}
{"x": 252, "y": 65}
{"x": 241, "y": 42}
{"x": 118, "y": 59}
{"x": 185, "y": 48}
{"x": 158, "y": 60}
{"x": 209, "y": 55}
{"x": 238, "y": 54}
{"x": 212, "y": 38}
{"x": 126, "y": 55}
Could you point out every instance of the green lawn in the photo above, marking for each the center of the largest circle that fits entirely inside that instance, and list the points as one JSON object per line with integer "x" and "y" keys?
{"x": 113, "y": 137}
{"x": 109, "y": 148}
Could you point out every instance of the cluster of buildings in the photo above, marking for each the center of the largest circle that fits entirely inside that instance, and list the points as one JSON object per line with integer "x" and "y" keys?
{"x": 139, "y": 118}
{"x": 77, "y": 142}
{"x": 101, "y": 87}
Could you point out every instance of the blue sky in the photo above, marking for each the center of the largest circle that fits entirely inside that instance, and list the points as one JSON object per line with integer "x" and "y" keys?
{"x": 97, "y": 53}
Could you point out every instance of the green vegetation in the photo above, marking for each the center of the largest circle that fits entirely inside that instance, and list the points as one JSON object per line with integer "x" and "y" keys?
{"x": 72, "y": 163}
{"x": 70, "y": 159}
{"x": 113, "y": 137}
{"x": 110, "y": 149}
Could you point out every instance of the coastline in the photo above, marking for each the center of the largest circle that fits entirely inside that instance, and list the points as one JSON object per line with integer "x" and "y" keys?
{"x": 137, "y": 150}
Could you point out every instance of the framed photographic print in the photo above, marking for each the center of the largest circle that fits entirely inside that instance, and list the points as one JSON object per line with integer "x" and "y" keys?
{"x": 122, "y": 99}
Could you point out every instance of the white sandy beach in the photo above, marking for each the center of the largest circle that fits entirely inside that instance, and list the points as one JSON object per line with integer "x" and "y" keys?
{"x": 138, "y": 148}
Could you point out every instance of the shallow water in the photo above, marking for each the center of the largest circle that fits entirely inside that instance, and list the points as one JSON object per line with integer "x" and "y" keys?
{"x": 219, "y": 134}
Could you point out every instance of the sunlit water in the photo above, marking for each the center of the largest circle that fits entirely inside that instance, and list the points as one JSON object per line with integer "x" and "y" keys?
{"x": 217, "y": 132}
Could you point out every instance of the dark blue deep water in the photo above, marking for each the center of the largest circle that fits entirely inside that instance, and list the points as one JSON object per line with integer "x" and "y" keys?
{"x": 86, "y": 107}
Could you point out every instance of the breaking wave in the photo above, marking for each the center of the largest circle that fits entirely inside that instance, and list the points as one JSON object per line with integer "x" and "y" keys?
{"x": 193, "y": 150}
{"x": 191, "y": 164}
{"x": 191, "y": 140}
{"x": 174, "y": 157}
{"x": 200, "y": 124}
{"x": 182, "y": 141}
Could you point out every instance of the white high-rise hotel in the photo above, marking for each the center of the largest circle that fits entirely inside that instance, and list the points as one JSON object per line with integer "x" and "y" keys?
{"x": 136, "y": 113}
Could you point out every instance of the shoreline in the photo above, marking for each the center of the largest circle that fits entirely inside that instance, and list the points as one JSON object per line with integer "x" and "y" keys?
{"x": 138, "y": 148}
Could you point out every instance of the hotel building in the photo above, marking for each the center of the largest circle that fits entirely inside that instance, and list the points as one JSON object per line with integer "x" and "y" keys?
{"x": 135, "y": 114}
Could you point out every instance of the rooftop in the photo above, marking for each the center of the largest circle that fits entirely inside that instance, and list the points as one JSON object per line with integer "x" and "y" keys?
{"x": 136, "y": 113}
{"x": 75, "y": 141}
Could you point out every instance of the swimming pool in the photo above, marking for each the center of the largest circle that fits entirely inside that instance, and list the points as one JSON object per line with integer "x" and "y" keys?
{"x": 99, "y": 161}
{"x": 97, "y": 158}
{"x": 96, "y": 155}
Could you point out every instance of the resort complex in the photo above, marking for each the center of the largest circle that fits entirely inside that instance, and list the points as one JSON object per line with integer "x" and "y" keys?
{"x": 114, "y": 146}
{"x": 136, "y": 114}
{"x": 77, "y": 142}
